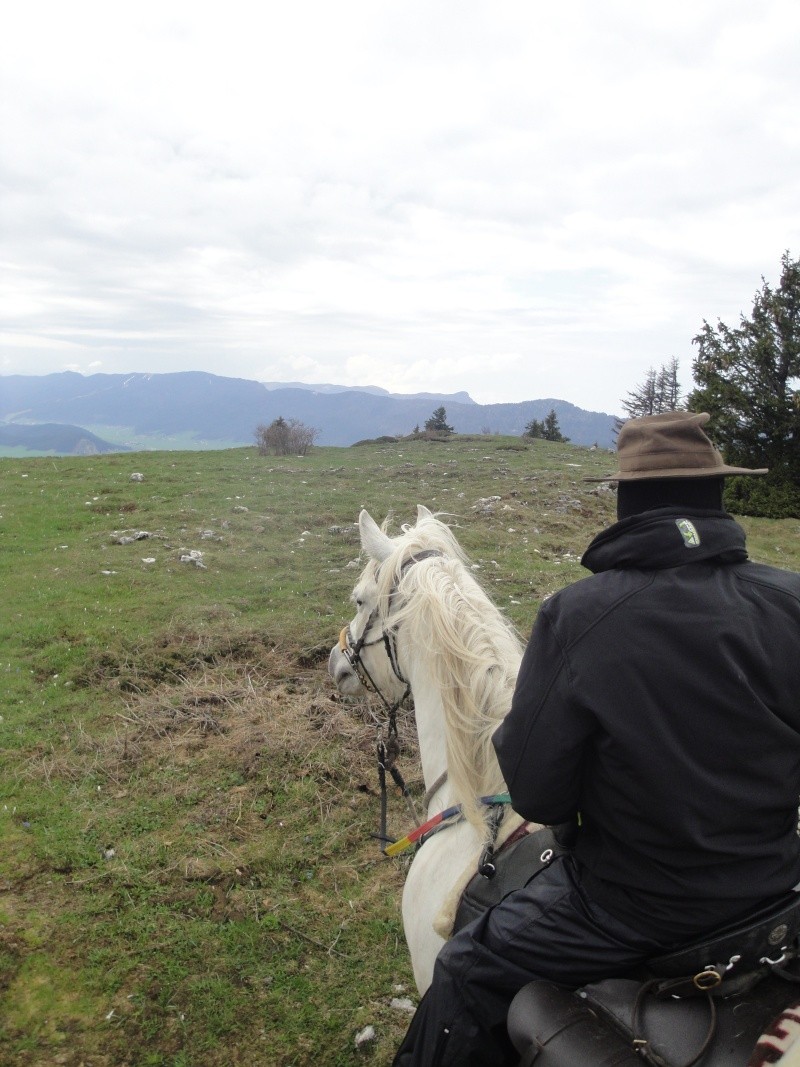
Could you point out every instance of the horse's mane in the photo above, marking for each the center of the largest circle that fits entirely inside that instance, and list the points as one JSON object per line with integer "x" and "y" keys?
{"x": 470, "y": 649}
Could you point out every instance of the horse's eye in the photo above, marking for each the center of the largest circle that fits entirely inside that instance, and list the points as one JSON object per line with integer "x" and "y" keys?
{"x": 359, "y": 603}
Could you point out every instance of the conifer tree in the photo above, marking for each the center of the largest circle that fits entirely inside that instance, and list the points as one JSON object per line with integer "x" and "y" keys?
{"x": 437, "y": 423}
{"x": 747, "y": 379}
{"x": 546, "y": 429}
{"x": 659, "y": 392}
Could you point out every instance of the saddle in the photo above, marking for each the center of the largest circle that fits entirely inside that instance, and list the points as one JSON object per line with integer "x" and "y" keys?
{"x": 553, "y": 1027}
{"x": 522, "y": 856}
{"x": 715, "y": 1001}
{"x": 734, "y": 958}
{"x": 730, "y": 999}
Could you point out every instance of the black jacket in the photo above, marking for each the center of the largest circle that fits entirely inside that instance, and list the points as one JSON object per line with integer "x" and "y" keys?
{"x": 660, "y": 700}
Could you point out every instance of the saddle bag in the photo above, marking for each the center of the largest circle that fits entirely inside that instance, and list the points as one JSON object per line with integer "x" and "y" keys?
{"x": 727, "y": 969}
{"x": 705, "y": 1002}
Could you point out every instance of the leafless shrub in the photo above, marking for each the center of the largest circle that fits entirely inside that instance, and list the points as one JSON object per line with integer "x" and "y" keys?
{"x": 285, "y": 437}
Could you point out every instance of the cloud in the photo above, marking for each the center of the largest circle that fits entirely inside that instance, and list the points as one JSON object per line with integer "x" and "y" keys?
{"x": 518, "y": 200}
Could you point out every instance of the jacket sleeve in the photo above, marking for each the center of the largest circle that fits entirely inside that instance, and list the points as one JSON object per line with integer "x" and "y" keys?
{"x": 544, "y": 739}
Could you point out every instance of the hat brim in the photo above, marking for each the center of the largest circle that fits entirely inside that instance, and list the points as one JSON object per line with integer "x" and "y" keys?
{"x": 677, "y": 472}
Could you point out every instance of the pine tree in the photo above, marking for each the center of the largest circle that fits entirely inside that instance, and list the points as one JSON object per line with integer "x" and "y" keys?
{"x": 437, "y": 423}
{"x": 641, "y": 400}
{"x": 546, "y": 430}
{"x": 659, "y": 392}
{"x": 747, "y": 379}
{"x": 668, "y": 389}
{"x": 534, "y": 429}
{"x": 552, "y": 431}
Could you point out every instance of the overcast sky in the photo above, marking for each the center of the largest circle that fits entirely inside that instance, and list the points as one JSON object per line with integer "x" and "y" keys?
{"x": 515, "y": 198}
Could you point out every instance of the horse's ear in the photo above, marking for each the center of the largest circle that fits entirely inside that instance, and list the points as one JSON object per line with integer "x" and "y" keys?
{"x": 423, "y": 513}
{"x": 374, "y": 541}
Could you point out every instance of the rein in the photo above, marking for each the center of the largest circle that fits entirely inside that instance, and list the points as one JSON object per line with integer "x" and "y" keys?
{"x": 396, "y": 847}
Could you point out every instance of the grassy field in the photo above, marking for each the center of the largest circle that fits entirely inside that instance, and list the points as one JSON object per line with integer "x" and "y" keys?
{"x": 186, "y": 874}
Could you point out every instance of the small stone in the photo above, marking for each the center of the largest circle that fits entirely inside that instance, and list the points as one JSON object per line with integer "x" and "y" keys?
{"x": 193, "y": 556}
{"x": 363, "y": 1037}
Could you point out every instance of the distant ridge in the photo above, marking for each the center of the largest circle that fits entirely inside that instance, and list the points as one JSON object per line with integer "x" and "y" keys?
{"x": 57, "y": 438}
{"x": 375, "y": 390}
{"x": 203, "y": 410}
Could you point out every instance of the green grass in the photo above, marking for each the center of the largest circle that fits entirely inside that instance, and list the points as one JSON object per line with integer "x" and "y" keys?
{"x": 186, "y": 872}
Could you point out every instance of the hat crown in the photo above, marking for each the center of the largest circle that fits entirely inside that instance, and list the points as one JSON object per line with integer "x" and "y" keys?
{"x": 663, "y": 442}
{"x": 671, "y": 444}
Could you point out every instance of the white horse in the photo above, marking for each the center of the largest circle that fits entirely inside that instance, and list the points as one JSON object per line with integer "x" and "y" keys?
{"x": 423, "y": 621}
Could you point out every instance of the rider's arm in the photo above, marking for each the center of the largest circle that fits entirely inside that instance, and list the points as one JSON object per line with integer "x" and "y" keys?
{"x": 543, "y": 739}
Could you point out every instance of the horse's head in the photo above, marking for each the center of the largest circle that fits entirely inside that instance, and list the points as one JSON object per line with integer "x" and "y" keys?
{"x": 366, "y": 654}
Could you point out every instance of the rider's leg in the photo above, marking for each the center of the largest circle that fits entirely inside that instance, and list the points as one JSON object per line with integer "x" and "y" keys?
{"x": 548, "y": 929}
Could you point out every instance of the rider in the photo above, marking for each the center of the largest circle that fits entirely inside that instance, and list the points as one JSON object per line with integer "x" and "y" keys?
{"x": 658, "y": 706}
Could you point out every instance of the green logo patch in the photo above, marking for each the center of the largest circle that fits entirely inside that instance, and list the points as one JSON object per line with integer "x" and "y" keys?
{"x": 688, "y": 531}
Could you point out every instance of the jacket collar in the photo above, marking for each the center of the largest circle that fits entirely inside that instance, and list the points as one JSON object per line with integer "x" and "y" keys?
{"x": 667, "y": 537}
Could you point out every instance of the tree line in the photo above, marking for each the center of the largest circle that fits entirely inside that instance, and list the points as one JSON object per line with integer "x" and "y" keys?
{"x": 747, "y": 377}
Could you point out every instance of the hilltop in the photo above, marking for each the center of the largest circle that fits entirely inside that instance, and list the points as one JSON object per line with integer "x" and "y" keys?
{"x": 56, "y": 438}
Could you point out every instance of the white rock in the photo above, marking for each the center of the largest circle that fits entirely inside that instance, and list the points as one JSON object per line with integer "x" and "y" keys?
{"x": 403, "y": 1004}
{"x": 363, "y": 1037}
{"x": 128, "y": 539}
{"x": 194, "y": 556}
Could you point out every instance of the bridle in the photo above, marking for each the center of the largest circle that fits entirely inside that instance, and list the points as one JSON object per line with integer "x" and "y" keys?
{"x": 351, "y": 650}
{"x": 388, "y": 750}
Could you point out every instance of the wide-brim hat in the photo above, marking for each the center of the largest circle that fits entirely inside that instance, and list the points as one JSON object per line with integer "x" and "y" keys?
{"x": 670, "y": 445}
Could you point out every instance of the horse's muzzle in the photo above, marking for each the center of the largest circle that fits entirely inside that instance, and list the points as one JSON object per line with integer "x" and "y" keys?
{"x": 341, "y": 671}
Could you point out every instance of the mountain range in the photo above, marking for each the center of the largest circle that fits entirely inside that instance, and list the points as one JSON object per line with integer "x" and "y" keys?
{"x": 196, "y": 410}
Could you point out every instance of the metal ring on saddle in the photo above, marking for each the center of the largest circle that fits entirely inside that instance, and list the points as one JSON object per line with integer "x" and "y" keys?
{"x": 706, "y": 980}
